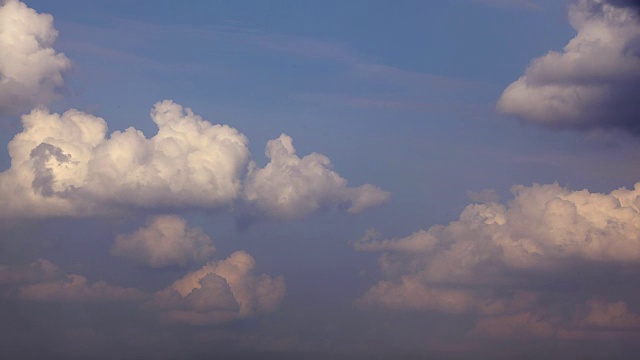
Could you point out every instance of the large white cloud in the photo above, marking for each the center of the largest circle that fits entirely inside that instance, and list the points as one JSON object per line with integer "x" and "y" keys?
{"x": 494, "y": 258}
{"x": 290, "y": 186}
{"x": 65, "y": 165}
{"x": 220, "y": 292}
{"x": 165, "y": 241}
{"x": 594, "y": 82}
{"x": 30, "y": 69}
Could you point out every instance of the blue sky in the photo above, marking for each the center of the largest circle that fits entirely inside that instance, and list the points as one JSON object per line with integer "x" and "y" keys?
{"x": 432, "y": 114}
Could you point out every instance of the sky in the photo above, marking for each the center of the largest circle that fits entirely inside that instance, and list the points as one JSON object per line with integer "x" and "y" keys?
{"x": 319, "y": 180}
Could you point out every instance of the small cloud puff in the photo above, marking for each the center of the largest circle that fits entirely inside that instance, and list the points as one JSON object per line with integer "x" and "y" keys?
{"x": 290, "y": 186}
{"x": 31, "y": 71}
{"x": 593, "y": 84}
{"x": 220, "y": 292}
{"x": 165, "y": 241}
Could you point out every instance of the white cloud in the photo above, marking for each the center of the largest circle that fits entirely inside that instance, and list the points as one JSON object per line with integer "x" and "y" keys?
{"x": 165, "y": 241}
{"x": 220, "y": 292}
{"x": 30, "y": 69}
{"x": 290, "y": 186}
{"x": 492, "y": 260}
{"x": 593, "y": 83}
{"x": 64, "y": 165}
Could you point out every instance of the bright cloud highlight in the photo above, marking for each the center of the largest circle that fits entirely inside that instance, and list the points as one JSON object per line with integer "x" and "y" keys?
{"x": 31, "y": 71}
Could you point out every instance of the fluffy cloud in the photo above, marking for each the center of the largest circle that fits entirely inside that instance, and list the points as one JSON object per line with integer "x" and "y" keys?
{"x": 220, "y": 292}
{"x": 593, "y": 83}
{"x": 165, "y": 241}
{"x": 30, "y": 69}
{"x": 290, "y": 186}
{"x": 64, "y": 165}
{"x": 495, "y": 259}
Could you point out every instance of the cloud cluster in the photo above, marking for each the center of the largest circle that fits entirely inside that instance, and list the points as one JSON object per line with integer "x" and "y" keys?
{"x": 30, "y": 69}
{"x": 65, "y": 165}
{"x": 165, "y": 241}
{"x": 501, "y": 262}
{"x": 593, "y": 83}
{"x": 220, "y": 292}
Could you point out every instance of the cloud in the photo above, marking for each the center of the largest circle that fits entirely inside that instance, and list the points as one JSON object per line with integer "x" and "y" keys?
{"x": 76, "y": 288}
{"x": 290, "y": 186}
{"x": 502, "y": 263}
{"x": 37, "y": 271}
{"x": 44, "y": 281}
{"x": 31, "y": 71}
{"x": 165, "y": 241}
{"x": 593, "y": 83}
{"x": 64, "y": 165}
{"x": 220, "y": 292}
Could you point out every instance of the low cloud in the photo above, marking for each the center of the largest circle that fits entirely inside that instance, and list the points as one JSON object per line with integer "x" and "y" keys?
{"x": 37, "y": 271}
{"x": 76, "y": 288}
{"x": 220, "y": 292}
{"x": 31, "y": 71}
{"x": 165, "y": 241}
{"x": 592, "y": 84}
{"x": 503, "y": 263}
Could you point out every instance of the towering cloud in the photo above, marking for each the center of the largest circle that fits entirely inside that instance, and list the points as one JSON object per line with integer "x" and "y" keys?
{"x": 220, "y": 292}
{"x": 30, "y": 69}
{"x": 594, "y": 82}
{"x": 494, "y": 258}
{"x": 166, "y": 241}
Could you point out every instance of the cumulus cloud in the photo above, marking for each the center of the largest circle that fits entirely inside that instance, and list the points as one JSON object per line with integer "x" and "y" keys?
{"x": 290, "y": 186}
{"x": 165, "y": 241}
{"x": 495, "y": 259}
{"x": 31, "y": 71}
{"x": 593, "y": 83}
{"x": 220, "y": 292}
{"x": 65, "y": 165}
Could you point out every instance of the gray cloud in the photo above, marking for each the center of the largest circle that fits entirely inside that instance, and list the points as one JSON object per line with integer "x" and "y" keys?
{"x": 593, "y": 83}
